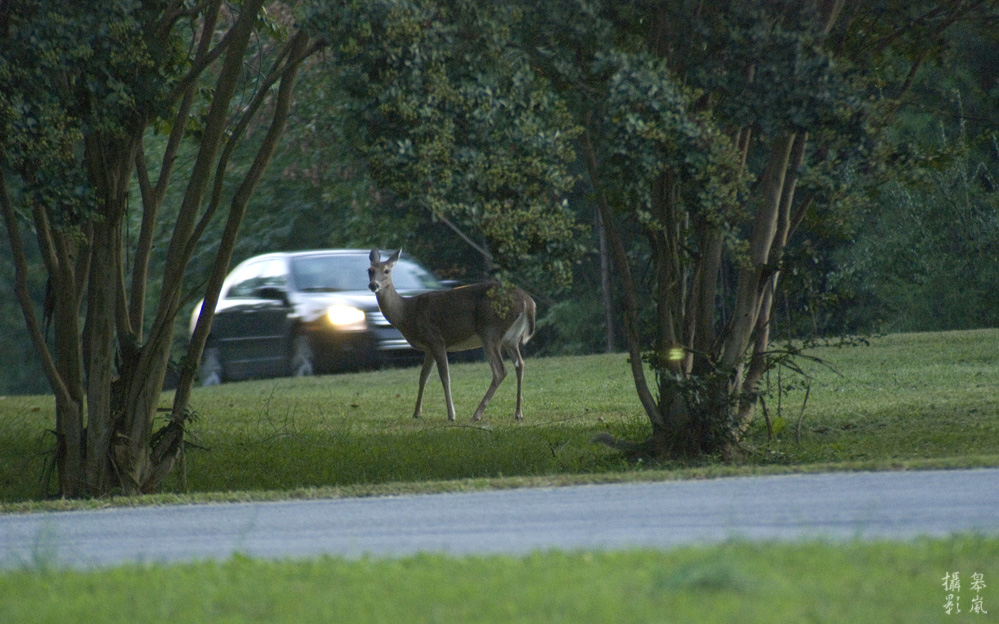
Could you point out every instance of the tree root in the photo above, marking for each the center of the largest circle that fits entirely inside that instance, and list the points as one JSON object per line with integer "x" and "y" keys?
{"x": 650, "y": 450}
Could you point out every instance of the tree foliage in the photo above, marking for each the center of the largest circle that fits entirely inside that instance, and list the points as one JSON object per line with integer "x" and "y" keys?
{"x": 922, "y": 253}
{"x": 455, "y": 123}
{"x": 928, "y": 258}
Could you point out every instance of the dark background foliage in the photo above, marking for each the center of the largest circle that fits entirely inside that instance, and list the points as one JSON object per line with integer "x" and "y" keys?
{"x": 912, "y": 247}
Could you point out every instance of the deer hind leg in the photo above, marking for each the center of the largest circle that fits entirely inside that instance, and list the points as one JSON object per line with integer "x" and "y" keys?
{"x": 495, "y": 358}
{"x": 513, "y": 351}
{"x": 428, "y": 365}
{"x": 440, "y": 355}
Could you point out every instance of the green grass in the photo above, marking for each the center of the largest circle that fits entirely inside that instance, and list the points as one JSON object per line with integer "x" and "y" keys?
{"x": 907, "y": 397}
{"x": 923, "y": 400}
{"x": 732, "y": 582}
{"x": 918, "y": 400}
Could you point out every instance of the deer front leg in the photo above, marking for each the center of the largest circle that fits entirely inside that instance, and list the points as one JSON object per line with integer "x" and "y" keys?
{"x": 441, "y": 356}
{"x": 499, "y": 373}
{"x": 428, "y": 365}
{"x": 518, "y": 365}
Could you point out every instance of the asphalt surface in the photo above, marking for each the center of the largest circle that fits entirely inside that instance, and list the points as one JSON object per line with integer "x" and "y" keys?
{"x": 838, "y": 506}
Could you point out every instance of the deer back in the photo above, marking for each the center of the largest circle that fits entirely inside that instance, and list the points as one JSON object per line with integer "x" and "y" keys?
{"x": 462, "y": 318}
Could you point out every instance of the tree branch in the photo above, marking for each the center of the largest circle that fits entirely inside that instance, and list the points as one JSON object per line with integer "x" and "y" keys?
{"x": 747, "y": 302}
{"x": 298, "y": 51}
{"x": 627, "y": 286}
{"x": 24, "y": 297}
{"x": 205, "y": 55}
{"x": 144, "y": 246}
{"x": 829, "y": 11}
{"x": 215, "y": 127}
{"x": 882, "y": 44}
{"x": 175, "y": 12}
{"x": 251, "y": 109}
{"x": 465, "y": 237}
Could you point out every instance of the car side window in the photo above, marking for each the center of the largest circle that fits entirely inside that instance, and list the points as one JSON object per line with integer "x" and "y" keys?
{"x": 411, "y": 276}
{"x": 273, "y": 274}
{"x": 256, "y": 276}
{"x": 243, "y": 281}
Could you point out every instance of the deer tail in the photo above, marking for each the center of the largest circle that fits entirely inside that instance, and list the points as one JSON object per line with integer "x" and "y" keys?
{"x": 529, "y": 310}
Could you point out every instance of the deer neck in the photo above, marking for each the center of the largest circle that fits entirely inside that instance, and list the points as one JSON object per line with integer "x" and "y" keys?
{"x": 391, "y": 304}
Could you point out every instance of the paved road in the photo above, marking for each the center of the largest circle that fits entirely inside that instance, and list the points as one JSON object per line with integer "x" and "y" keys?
{"x": 661, "y": 515}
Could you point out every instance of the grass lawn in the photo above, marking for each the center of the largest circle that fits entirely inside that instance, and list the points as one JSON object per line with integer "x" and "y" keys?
{"x": 732, "y": 582}
{"x": 905, "y": 401}
{"x": 916, "y": 400}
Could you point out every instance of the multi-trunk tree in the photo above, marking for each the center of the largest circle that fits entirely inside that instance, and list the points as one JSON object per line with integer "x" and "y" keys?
{"x": 705, "y": 132}
{"x": 711, "y": 133}
{"x": 81, "y": 87}
{"x": 714, "y": 133}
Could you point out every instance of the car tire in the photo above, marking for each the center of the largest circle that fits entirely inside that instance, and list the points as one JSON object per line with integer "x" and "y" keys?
{"x": 211, "y": 371}
{"x": 303, "y": 358}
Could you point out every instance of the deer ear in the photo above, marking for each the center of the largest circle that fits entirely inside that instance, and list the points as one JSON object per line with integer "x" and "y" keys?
{"x": 394, "y": 257}
{"x": 375, "y": 256}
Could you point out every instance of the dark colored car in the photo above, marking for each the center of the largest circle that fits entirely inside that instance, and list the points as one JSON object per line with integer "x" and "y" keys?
{"x": 300, "y": 313}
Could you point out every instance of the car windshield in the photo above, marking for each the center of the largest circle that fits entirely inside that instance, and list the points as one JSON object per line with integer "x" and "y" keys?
{"x": 350, "y": 272}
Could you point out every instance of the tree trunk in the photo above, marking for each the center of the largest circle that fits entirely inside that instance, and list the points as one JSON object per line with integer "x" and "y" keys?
{"x": 628, "y": 291}
{"x": 606, "y": 291}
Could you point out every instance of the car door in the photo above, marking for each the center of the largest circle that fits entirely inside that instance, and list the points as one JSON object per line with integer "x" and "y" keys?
{"x": 252, "y": 328}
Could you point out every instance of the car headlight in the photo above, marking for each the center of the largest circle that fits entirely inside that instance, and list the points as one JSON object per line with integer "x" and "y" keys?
{"x": 346, "y": 318}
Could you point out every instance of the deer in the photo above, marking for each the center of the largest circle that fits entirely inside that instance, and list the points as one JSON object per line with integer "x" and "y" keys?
{"x": 499, "y": 319}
